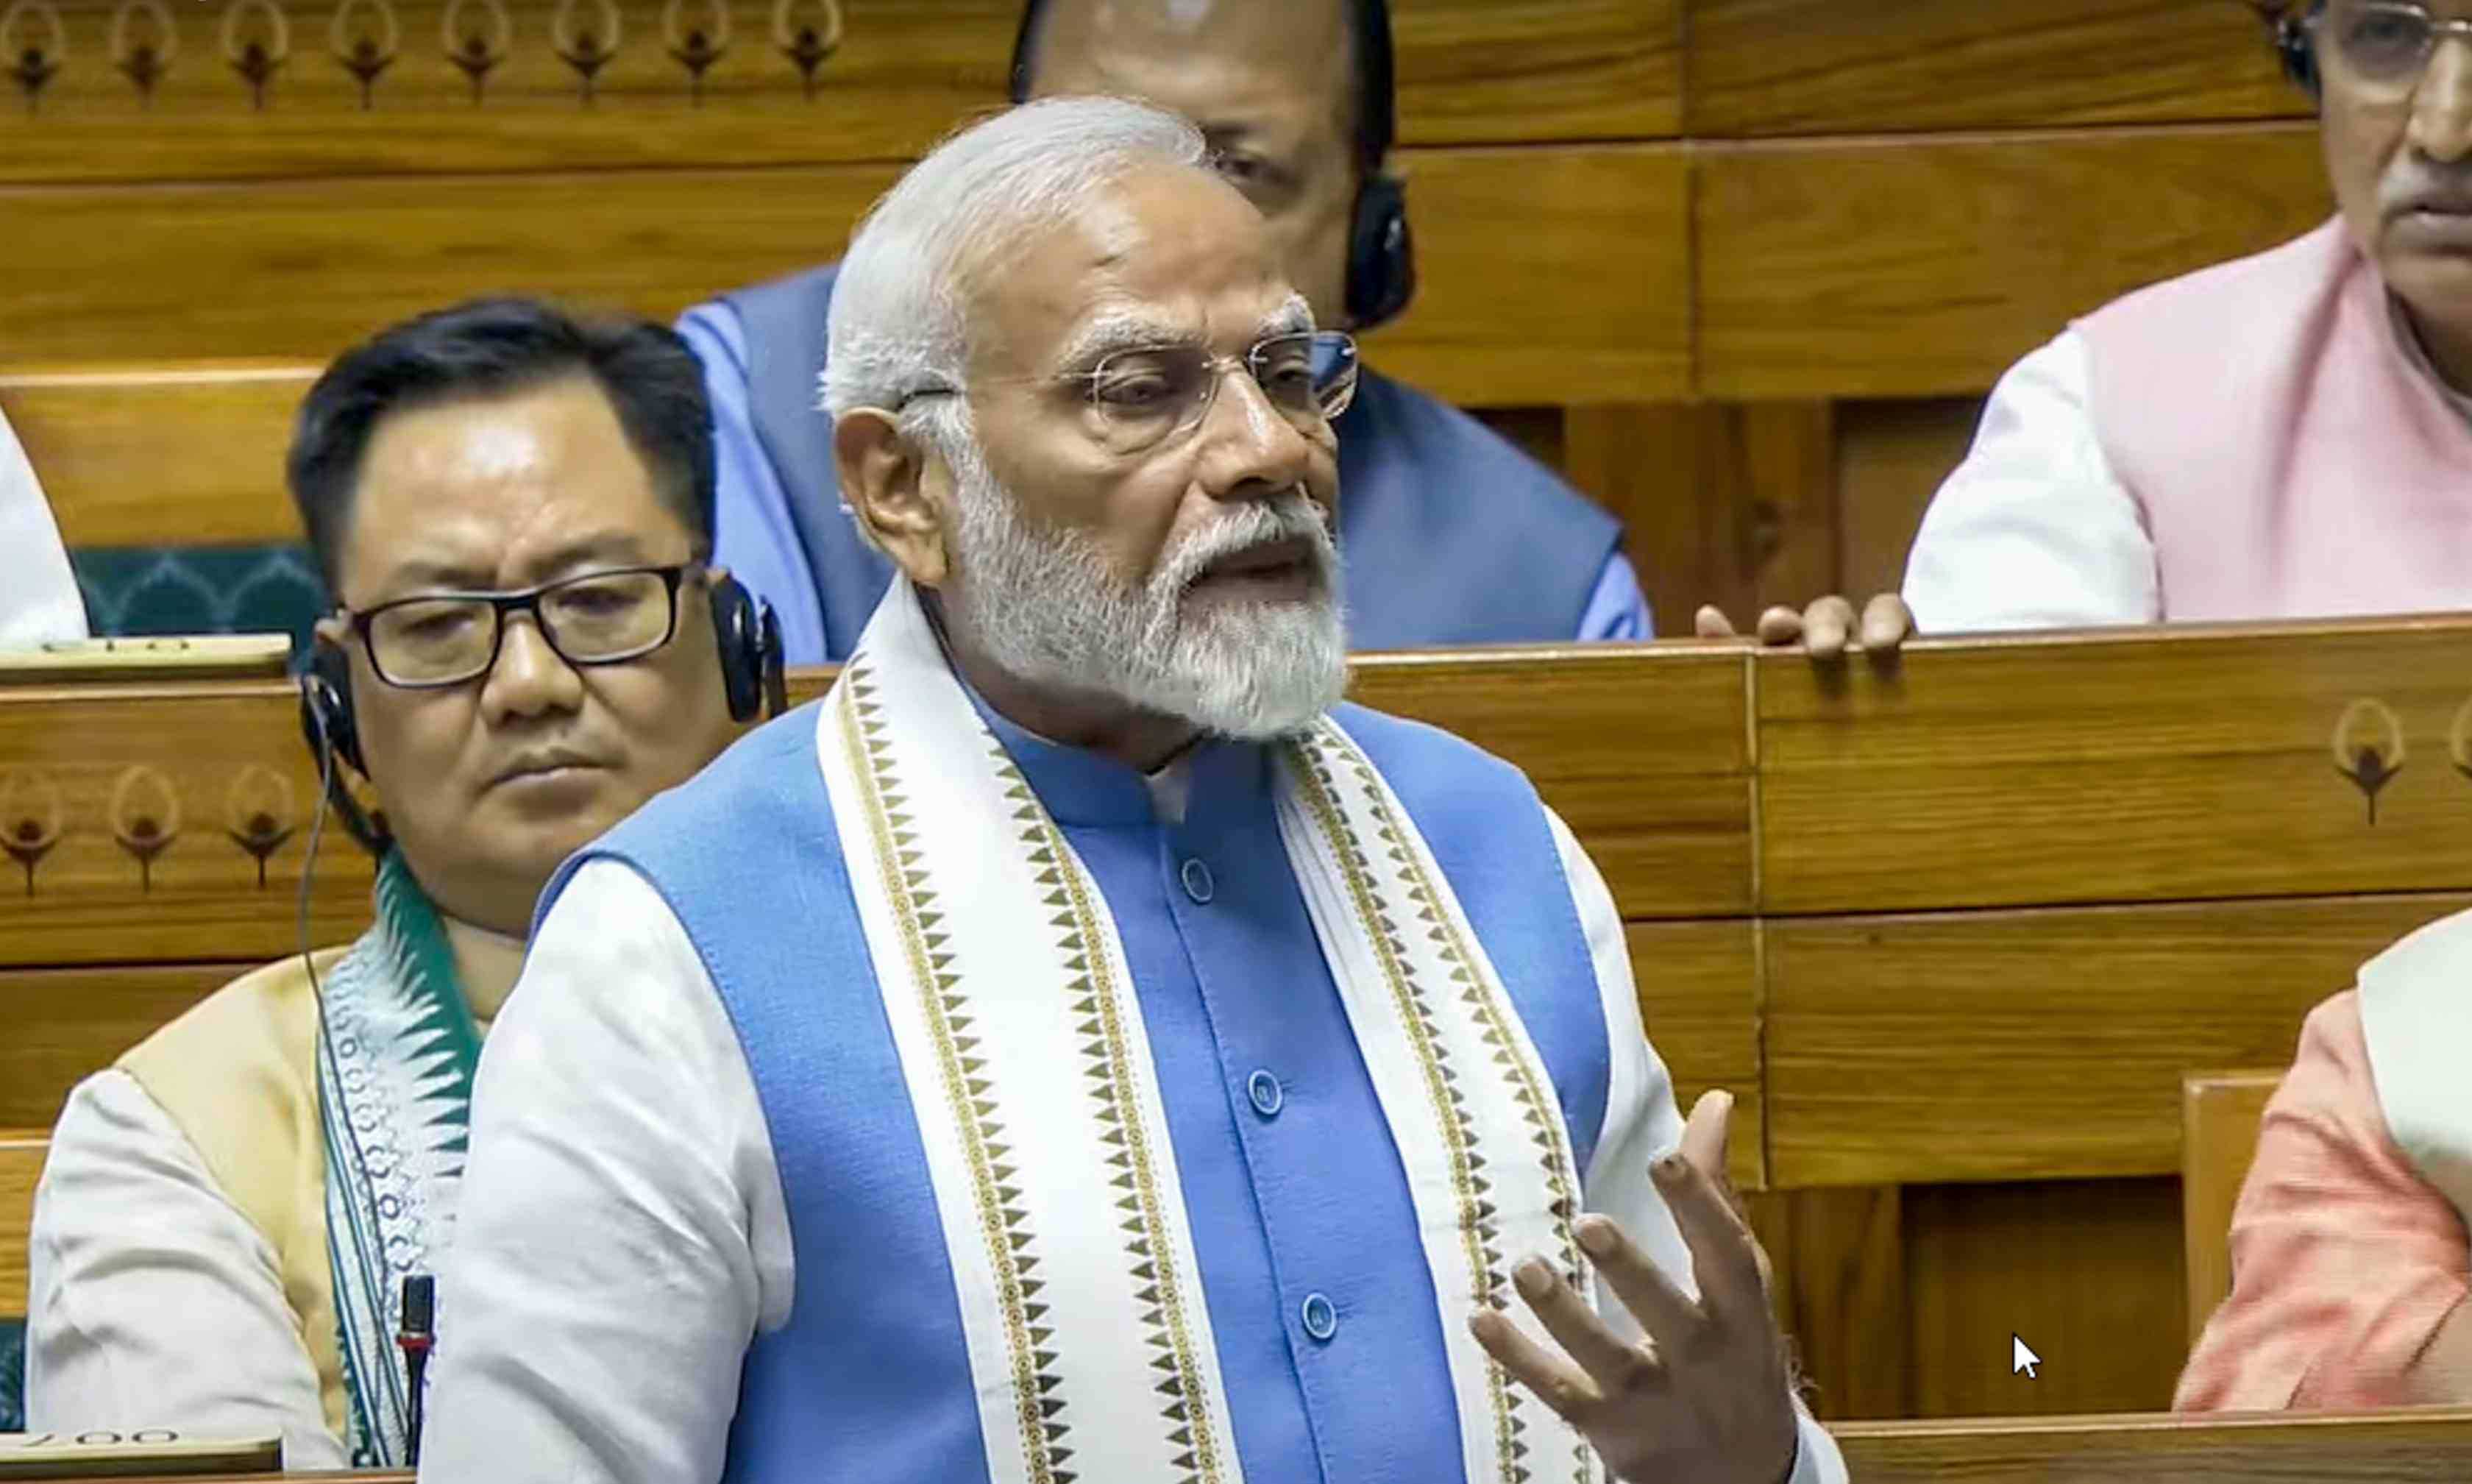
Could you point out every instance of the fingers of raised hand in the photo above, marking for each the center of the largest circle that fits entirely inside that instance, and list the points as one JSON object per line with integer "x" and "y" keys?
{"x": 1614, "y": 1363}
{"x": 1561, "y": 1385}
{"x": 1711, "y": 623}
{"x": 1724, "y": 1257}
{"x": 1671, "y": 1319}
{"x": 1779, "y": 626}
{"x": 1886, "y": 622}
{"x": 1828, "y": 627}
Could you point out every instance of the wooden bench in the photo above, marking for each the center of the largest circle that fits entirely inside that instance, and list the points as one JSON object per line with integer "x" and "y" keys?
{"x": 2221, "y": 1112}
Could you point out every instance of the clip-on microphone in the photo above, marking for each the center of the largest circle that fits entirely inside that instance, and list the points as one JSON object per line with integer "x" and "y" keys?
{"x": 416, "y": 1338}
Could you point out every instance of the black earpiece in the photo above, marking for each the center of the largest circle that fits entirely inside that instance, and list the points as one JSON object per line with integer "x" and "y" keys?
{"x": 751, "y": 652}
{"x": 2298, "y": 50}
{"x": 334, "y": 736}
{"x": 1381, "y": 254}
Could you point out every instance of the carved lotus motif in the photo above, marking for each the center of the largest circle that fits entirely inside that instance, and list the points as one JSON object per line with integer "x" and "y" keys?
{"x": 144, "y": 818}
{"x": 807, "y": 32}
{"x": 696, "y": 34}
{"x": 260, "y": 814}
{"x": 33, "y": 817}
{"x": 477, "y": 33}
{"x": 33, "y": 45}
{"x": 144, "y": 40}
{"x": 257, "y": 42}
{"x": 587, "y": 33}
{"x": 2369, "y": 748}
{"x": 365, "y": 38}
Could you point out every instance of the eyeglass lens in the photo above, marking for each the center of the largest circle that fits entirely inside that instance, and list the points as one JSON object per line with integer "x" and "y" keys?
{"x": 591, "y": 619}
{"x": 2383, "y": 40}
{"x": 1144, "y": 397}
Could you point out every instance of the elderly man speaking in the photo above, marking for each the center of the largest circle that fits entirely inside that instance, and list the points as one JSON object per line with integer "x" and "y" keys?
{"x": 1072, "y": 1050}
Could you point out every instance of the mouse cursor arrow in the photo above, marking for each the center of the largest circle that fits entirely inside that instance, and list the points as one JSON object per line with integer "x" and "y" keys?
{"x": 2022, "y": 1358}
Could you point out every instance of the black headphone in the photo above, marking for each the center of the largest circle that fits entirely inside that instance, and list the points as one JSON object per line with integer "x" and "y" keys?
{"x": 744, "y": 625}
{"x": 2298, "y": 47}
{"x": 1381, "y": 251}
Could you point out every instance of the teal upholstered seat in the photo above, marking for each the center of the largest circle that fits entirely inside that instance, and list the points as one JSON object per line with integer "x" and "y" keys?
{"x": 199, "y": 589}
{"x": 13, "y": 1375}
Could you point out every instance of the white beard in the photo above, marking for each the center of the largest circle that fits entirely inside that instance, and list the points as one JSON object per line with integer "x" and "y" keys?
{"x": 1048, "y": 611}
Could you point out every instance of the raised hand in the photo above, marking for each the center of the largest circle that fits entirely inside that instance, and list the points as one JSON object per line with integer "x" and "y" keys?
{"x": 1705, "y": 1397}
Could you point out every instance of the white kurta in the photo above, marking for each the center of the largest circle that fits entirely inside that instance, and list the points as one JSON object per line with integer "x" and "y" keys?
{"x": 38, "y": 595}
{"x": 665, "y": 1206}
{"x": 2034, "y": 530}
{"x": 153, "y": 1299}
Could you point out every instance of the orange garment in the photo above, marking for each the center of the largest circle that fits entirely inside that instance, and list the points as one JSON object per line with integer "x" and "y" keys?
{"x": 2345, "y": 1260}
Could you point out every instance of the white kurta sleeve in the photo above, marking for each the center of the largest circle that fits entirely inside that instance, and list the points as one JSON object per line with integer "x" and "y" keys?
{"x": 621, "y": 1236}
{"x": 38, "y": 594}
{"x": 153, "y": 1302}
{"x": 1642, "y": 1124}
{"x": 2035, "y": 531}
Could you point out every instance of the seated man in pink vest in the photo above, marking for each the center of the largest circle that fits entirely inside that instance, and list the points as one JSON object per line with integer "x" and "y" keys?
{"x": 2287, "y": 436}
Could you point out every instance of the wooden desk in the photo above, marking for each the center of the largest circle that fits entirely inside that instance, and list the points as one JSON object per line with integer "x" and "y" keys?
{"x": 2432, "y": 1445}
{"x": 1954, "y": 932}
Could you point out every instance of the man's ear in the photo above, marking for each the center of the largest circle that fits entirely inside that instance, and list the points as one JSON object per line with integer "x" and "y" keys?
{"x": 885, "y": 480}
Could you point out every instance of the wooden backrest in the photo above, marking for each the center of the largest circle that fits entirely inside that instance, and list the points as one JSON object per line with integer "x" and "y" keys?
{"x": 2219, "y": 1113}
{"x": 21, "y": 1165}
{"x": 1949, "y": 926}
{"x": 2424, "y": 1444}
{"x": 1737, "y": 198}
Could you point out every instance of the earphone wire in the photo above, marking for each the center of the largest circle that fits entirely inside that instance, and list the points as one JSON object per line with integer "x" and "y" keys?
{"x": 327, "y": 783}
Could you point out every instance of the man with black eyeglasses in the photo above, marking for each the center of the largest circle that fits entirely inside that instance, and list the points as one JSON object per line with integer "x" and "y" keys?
{"x": 513, "y": 508}
{"x": 2287, "y": 436}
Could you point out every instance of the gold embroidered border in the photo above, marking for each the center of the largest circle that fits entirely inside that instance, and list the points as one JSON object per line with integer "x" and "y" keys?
{"x": 992, "y": 1222}
{"x": 1124, "y": 1090}
{"x": 1316, "y": 792}
{"x": 1527, "y": 1083}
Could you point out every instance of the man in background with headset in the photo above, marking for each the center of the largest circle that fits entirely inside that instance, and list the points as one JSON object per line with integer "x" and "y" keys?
{"x": 1452, "y": 536}
{"x": 513, "y": 509}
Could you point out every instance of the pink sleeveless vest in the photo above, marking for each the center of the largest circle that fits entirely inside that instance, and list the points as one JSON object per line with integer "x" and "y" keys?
{"x": 2289, "y": 456}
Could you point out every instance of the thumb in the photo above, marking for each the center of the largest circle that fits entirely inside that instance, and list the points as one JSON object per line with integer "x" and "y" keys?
{"x": 1711, "y": 623}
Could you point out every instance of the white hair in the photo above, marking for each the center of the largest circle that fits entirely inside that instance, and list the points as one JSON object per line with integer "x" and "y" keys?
{"x": 896, "y": 326}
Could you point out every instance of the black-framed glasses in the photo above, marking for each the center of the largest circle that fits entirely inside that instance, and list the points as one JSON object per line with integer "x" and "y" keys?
{"x": 436, "y": 639}
{"x": 2386, "y": 44}
{"x": 1145, "y": 395}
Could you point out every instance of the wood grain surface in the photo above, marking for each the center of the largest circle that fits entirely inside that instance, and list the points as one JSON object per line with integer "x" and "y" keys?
{"x": 125, "y": 810}
{"x": 1698, "y": 998}
{"x": 2219, "y": 1114}
{"x": 157, "y": 276}
{"x": 2144, "y": 765}
{"x": 1641, "y": 750}
{"x": 1924, "y": 265}
{"x": 66, "y": 1024}
{"x": 2403, "y": 1444}
{"x": 21, "y": 1165}
{"x": 2086, "y": 1271}
{"x": 1822, "y": 66}
{"x": 907, "y": 71}
{"x": 2037, "y": 1045}
{"x": 138, "y": 456}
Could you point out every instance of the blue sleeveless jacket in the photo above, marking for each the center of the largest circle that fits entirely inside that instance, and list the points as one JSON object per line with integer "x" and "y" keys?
{"x": 870, "y": 1377}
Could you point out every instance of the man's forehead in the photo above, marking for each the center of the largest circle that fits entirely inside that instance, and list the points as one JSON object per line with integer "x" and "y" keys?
{"x": 1179, "y": 249}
